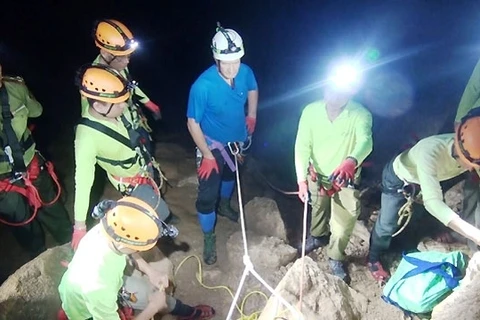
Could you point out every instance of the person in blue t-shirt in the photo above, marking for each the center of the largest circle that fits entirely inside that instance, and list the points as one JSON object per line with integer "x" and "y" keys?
{"x": 216, "y": 117}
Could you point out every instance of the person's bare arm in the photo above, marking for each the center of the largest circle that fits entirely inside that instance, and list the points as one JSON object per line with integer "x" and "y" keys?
{"x": 252, "y": 103}
{"x": 199, "y": 138}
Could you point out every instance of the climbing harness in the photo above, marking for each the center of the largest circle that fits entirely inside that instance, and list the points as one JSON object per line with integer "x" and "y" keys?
{"x": 142, "y": 156}
{"x": 14, "y": 152}
{"x": 28, "y": 190}
{"x": 237, "y": 149}
{"x": 412, "y": 194}
{"x": 249, "y": 268}
{"x": 137, "y": 111}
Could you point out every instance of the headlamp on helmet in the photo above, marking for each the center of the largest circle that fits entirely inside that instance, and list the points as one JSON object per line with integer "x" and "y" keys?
{"x": 227, "y": 45}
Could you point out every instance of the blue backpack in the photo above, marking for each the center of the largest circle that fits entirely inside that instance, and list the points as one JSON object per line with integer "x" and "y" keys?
{"x": 424, "y": 279}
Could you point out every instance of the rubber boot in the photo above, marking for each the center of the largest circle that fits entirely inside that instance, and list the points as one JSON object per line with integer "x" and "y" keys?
{"x": 209, "y": 248}
{"x": 225, "y": 210}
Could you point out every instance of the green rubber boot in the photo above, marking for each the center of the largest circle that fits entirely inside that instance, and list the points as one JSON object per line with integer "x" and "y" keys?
{"x": 225, "y": 210}
{"x": 209, "y": 248}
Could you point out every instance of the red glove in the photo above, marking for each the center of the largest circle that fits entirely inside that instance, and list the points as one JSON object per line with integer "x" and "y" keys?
{"x": 303, "y": 191}
{"x": 328, "y": 192}
{"x": 251, "y": 122}
{"x": 206, "y": 168}
{"x": 125, "y": 313}
{"x": 344, "y": 173}
{"x": 78, "y": 234}
{"x": 312, "y": 172}
{"x": 154, "y": 109}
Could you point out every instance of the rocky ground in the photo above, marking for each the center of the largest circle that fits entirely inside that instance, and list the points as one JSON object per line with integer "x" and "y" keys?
{"x": 273, "y": 222}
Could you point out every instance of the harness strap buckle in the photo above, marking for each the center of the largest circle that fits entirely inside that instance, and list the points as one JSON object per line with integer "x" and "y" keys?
{"x": 16, "y": 176}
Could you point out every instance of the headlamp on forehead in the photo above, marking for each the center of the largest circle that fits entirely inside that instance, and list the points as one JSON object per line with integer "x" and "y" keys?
{"x": 345, "y": 76}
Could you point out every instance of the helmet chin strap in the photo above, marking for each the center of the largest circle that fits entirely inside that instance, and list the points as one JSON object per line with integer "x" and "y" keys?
{"x": 106, "y": 113}
{"x": 108, "y": 62}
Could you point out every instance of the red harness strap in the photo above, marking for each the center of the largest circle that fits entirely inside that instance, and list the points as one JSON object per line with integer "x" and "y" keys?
{"x": 136, "y": 180}
{"x": 125, "y": 313}
{"x": 29, "y": 191}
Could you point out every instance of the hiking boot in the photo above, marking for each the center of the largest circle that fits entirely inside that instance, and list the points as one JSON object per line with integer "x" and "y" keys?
{"x": 313, "y": 243}
{"x": 378, "y": 272}
{"x": 209, "y": 248}
{"x": 225, "y": 210}
{"x": 338, "y": 270}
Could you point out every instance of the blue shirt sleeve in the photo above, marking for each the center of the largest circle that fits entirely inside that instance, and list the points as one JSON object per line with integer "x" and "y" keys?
{"x": 251, "y": 81}
{"x": 197, "y": 101}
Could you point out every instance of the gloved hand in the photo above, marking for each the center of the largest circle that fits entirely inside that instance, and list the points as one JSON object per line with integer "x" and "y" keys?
{"x": 303, "y": 191}
{"x": 312, "y": 172}
{"x": 206, "y": 167}
{"x": 251, "y": 122}
{"x": 125, "y": 313}
{"x": 78, "y": 233}
{"x": 157, "y": 115}
{"x": 328, "y": 192}
{"x": 344, "y": 173}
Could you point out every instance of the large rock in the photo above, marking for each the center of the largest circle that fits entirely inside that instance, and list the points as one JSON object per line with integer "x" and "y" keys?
{"x": 454, "y": 197}
{"x": 266, "y": 253}
{"x": 428, "y": 244}
{"x": 31, "y": 292}
{"x": 263, "y": 217}
{"x": 464, "y": 302}
{"x": 324, "y": 296}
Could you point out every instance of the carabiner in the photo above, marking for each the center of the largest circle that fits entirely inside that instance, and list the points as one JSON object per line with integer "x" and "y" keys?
{"x": 234, "y": 148}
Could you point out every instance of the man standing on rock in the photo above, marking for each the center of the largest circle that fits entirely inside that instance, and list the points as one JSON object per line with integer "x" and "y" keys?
{"x": 106, "y": 135}
{"x": 29, "y": 200}
{"x": 335, "y": 136}
{"x": 216, "y": 121}
{"x": 94, "y": 283}
{"x": 422, "y": 167}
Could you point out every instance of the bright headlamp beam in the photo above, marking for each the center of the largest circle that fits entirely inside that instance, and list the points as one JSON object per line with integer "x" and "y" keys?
{"x": 345, "y": 75}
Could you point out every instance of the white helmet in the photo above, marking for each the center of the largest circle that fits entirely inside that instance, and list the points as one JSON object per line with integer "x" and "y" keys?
{"x": 227, "y": 45}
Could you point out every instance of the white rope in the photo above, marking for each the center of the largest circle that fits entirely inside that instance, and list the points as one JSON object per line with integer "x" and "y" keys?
{"x": 304, "y": 240}
{"x": 246, "y": 258}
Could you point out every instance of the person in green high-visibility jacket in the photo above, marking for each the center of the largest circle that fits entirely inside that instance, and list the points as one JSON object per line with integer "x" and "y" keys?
{"x": 117, "y": 44}
{"x": 471, "y": 189}
{"x": 29, "y": 201}
{"x": 334, "y": 136}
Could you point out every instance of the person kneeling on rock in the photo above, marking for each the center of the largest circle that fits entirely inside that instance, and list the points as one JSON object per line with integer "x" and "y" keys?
{"x": 94, "y": 284}
{"x": 432, "y": 160}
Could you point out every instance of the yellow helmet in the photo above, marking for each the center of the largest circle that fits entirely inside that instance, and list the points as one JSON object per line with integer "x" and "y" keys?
{"x": 133, "y": 223}
{"x": 467, "y": 138}
{"x": 114, "y": 37}
{"x": 103, "y": 83}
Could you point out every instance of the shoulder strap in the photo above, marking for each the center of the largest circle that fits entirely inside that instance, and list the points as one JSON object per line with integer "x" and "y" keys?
{"x": 106, "y": 130}
{"x": 12, "y": 142}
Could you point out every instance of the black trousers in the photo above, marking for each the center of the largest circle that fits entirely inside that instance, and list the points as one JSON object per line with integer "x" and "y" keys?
{"x": 14, "y": 207}
{"x": 208, "y": 189}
